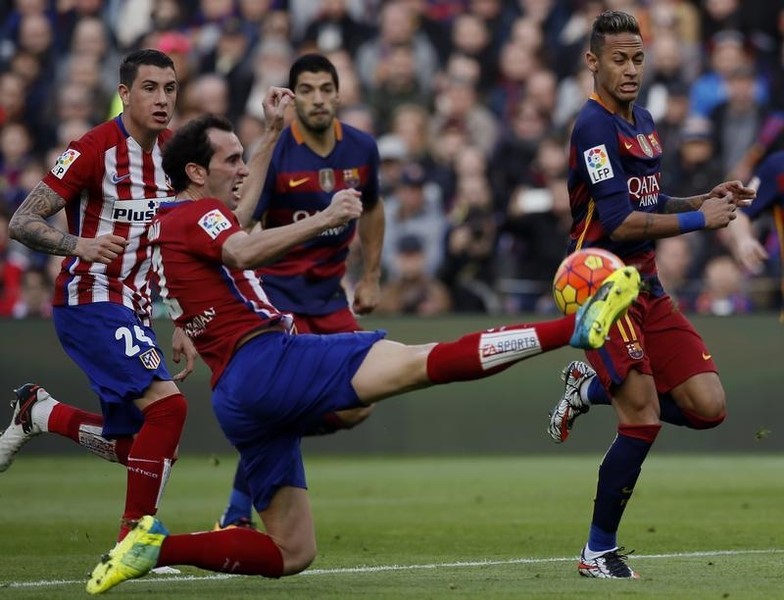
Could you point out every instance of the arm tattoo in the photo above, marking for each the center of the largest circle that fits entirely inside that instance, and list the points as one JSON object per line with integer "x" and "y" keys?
{"x": 679, "y": 205}
{"x": 29, "y": 226}
{"x": 647, "y": 225}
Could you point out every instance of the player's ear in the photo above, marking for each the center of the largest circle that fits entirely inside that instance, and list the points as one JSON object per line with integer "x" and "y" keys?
{"x": 591, "y": 60}
{"x": 196, "y": 173}
{"x": 124, "y": 93}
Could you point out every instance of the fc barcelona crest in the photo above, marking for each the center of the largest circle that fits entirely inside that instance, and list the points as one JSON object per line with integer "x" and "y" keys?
{"x": 646, "y": 147}
{"x": 635, "y": 350}
{"x": 327, "y": 179}
{"x": 655, "y": 142}
{"x": 150, "y": 359}
{"x": 351, "y": 178}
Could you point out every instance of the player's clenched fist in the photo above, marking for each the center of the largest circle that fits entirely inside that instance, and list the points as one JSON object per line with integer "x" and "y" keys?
{"x": 102, "y": 249}
{"x": 718, "y": 211}
{"x": 345, "y": 206}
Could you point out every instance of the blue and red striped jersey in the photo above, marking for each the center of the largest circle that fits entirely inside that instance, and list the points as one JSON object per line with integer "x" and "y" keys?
{"x": 300, "y": 183}
{"x": 614, "y": 169}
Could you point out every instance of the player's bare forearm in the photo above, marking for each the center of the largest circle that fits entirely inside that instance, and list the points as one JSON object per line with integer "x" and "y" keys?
{"x": 681, "y": 205}
{"x": 28, "y": 224}
{"x": 370, "y": 228}
{"x": 646, "y": 226}
{"x": 258, "y": 166}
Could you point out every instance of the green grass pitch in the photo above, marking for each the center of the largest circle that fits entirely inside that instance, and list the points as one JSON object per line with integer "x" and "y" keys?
{"x": 427, "y": 528}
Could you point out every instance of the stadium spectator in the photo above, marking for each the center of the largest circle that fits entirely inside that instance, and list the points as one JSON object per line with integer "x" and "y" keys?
{"x": 655, "y": 367}
{"x": 108, "y": 255}
{"x": 723, "y": 294}
{"x": 313, "y": 374}
{"x": 412, "y": 291}
{"x": 414, "y": 208}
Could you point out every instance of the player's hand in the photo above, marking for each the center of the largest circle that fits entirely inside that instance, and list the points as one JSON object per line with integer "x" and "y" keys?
{"x": 367, "y": 294}
{"x": 344, "y": 207}
{"x": 275, "y": 103}
{"x": 740, "y": 195}
{"x": 102, "y": 249}
{"x": 718, "y": 211}
{"x": 183, "y": 346}
{"x": 750, "y": 254}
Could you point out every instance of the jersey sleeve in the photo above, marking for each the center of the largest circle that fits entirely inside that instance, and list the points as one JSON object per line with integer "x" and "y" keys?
{"x": 73, "y": 171}
{"x": 771, "y": 185}
{"x": 599, "y": 163}
{"x": 210, "y": 224}
{"x": 371, "y": 191}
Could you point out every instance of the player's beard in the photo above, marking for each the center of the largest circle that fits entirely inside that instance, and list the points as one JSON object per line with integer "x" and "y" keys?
{"x": 316, "y": 124}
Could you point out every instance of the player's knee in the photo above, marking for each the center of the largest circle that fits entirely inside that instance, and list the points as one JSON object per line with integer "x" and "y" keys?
{"x": 176, "y": 408}
{"x": 353, "y": 417}
{"x": 296, "y": 560}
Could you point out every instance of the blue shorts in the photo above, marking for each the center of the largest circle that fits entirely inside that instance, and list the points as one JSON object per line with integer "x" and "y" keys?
{"x": 119, "y": 355}
{"x": 275, "y": 388}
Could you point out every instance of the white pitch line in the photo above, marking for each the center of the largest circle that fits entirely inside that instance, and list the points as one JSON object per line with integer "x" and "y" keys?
{"x": 383, "y": 568}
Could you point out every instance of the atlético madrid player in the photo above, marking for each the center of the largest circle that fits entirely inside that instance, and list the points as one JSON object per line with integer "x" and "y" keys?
{"x": 110, "y": 183}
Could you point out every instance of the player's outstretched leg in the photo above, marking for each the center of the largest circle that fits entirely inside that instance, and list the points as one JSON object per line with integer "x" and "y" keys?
{"x": 133, "y": 557}
{"x": 22, "y": 427}
{"x": 572, "y": 404}
{"x": 597, "y": 315}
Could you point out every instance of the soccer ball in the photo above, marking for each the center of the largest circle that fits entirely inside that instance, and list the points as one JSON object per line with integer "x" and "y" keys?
{"x": 579, "y": 276}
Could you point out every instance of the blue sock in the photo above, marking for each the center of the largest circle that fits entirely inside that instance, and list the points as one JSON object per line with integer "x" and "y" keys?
{"x": 618, "y": 474}
{"x": 240, "y": 502}
{"x": 596, "y": 392}
{"x": 670, "y": 412}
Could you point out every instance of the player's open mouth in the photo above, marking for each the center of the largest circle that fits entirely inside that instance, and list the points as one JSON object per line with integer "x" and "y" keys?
{"x": 236, "y": 189}
{"x": 160, "y": 116}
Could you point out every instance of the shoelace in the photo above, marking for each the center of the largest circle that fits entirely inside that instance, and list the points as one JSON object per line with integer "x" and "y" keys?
{"x": 615, "y": 562}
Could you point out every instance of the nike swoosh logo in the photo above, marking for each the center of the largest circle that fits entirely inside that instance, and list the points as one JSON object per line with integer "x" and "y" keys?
{"x": 296, "y": 182}
{"x": 706, "y": 356}
{"x": 118, "y": 178}
{"x": 628, "y": 145}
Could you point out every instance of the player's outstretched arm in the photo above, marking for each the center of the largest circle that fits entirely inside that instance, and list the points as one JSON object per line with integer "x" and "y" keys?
{"x": 252, "y": 250}
{"x": 28, "y": 225}
{"x": 276, "y": 101}
{"x": 746, "y": 249}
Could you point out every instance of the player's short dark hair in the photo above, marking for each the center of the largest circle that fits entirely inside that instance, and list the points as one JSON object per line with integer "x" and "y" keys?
{"x": 191, "y": 144}
{"x": 611, "y": 22}
{"x": 312, "y": 63}
{"x": 147, "y": 56}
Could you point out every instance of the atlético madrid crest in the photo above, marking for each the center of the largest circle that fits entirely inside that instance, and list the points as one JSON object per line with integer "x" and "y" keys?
{"x": 327, "y": 179}
{"x": 150, "y": 359}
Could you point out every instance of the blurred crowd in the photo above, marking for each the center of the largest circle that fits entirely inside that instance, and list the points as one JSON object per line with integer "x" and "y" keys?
{"x": 471, "y": 102}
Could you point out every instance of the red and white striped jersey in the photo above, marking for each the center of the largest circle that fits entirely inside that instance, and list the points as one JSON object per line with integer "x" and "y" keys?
{"x": 110, "y": 185}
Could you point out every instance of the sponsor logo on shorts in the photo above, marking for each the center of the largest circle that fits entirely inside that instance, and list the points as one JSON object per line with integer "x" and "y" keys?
{"x": 598, "y": 164}
{"x": 150, "y": 359}
{"x": 497, "y": 348}
{"x": 64, "y": 162}
{"x": 214, "y": 222}
{"x": 635, "y": 350}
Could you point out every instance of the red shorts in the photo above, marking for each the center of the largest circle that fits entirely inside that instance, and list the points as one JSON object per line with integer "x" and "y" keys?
{"x": 342, "y": 321}
{"x": 653, "y": 338}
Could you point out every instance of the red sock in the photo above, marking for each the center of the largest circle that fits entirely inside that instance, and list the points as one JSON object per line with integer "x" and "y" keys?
{"x": 240, "y": 551}
{"x": 151, "y": 456}
{"x": 484, "y": 353}
{"x": 84, "y": 428}
{"x": 698, "y": 422}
